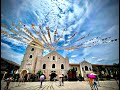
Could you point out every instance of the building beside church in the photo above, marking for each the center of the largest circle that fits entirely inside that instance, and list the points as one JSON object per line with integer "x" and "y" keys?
{"x": 51, "y": 64}
{"x": 8, "y": 66}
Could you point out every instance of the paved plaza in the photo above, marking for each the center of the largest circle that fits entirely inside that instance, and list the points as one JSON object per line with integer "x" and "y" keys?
{"x": 73, "y": 85}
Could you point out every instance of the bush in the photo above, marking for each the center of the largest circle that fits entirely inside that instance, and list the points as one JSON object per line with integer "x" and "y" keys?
{"x": 108, "y": 78}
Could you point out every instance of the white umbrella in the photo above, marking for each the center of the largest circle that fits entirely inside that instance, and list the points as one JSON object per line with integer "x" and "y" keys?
{"x": 42, "y": 77}
{"x": 17, "y": 72}
{"x": 93, "y": 74}
{"x": 60, "y": 75}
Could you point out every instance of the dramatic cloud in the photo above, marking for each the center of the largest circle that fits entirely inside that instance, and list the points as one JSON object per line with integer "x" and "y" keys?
{"x": 99, "y": 18}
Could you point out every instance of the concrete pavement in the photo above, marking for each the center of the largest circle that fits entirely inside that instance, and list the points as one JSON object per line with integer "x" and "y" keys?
{"x": 73, "y": 85}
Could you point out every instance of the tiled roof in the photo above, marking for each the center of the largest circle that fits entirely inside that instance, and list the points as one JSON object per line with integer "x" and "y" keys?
{"x": 100, "y": 65}
{"x": 74, "y": 64}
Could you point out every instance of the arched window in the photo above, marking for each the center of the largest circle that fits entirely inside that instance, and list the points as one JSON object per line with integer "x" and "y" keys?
{"x": 30, "y": 56}
{"x": 44, "y": 66}
{"x": 62, "y": 66}
{"x": 53, "y": 57}
{"x": 53, "y": 65}
{"x": 32, "y": 49}
{"x": 86, "y": 68}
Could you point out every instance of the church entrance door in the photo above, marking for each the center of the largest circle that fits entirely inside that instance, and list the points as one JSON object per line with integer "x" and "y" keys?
{"x": 53, "y": 76}
{"x": 23, "y": 73}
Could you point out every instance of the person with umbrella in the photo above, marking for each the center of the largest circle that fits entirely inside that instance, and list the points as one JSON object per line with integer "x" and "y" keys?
{"x": 92, "y": 81}
{"x": 61, "y": 79}
{"x": 42, "y": 78}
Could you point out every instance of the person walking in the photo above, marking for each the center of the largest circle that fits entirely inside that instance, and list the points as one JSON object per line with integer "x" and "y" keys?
{"x": 60, "y": 80}
{"x": 91, "y": 83}
{"x": 95, "y": 84}
{"x": 42, "y": 78}
{"x": 63, "y": 79}
{"x": 8, "y": 82}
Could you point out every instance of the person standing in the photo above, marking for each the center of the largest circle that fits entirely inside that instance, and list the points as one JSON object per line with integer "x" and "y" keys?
{"x": 60, "y": 80}
{"x": 95, "y": 84}
{"x": 63, "y": 79}
{"x": 42, "y": 78}
{"x": 91, "y": 83}
{"x": 8, "y": 82}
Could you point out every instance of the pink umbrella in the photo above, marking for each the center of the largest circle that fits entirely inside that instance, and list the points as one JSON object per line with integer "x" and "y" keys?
{"x": 92, "y": 75}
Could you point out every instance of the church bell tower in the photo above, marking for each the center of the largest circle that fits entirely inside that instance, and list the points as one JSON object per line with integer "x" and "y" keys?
{"x": 30, "y": 59}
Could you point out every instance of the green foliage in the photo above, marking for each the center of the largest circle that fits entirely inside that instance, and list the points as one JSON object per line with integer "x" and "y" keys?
{"x": 95, "y": 68}
{"x": 40, "y": 72}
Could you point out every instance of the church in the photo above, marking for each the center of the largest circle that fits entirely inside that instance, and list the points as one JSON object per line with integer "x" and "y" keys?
{"x": 51, "y": 64}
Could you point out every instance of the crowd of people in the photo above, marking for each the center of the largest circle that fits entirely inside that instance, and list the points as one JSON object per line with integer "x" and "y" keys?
{"x": 32, "y": 77}
{"x": 7, "y": 77}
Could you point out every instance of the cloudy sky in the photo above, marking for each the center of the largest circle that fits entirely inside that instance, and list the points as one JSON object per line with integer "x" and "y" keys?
{"x": 99, "y": 18}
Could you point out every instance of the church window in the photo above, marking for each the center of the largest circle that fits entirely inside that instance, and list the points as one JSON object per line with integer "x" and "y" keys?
{"x": 53, "y": 65}
{"x": 48, "y": 57}
{"x": 53, "y": 57}
{"x": 62, "y": 66}
{"x": 30, "y": 56}
{"x": 90, "y": 69}
{"x": 32, "y": 49}
{"x": 44, "y": 66}
{"x": 86, "y": 68}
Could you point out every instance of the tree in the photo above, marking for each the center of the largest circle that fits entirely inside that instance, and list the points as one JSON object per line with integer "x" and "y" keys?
{"x": 72, "y": 76}
{"x": 40, "y": 72}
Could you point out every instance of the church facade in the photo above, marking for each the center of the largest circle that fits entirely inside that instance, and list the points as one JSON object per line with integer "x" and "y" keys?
{"x": 50, "y": 64}
{"x": 53, "y": 62}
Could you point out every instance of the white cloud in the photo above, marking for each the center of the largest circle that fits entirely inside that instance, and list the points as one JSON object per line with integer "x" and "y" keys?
{"x": 99, "y": 60}
{"x": 74, "y": 55}
{"x": 94, "y": 57}
{"x": 5, "y": 45}
{"x": 8, "y": 53}
{"x": 14, "y": 41}
{"x": 86, "y": 16}
{"x": 65, "y": 44}
{"x": 105, "y": 51}
{"x": 73, "y": 61}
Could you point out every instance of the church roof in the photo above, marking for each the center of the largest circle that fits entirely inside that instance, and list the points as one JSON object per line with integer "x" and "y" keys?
{"x": 85, "y": 62}
{"x": 74, "y": 64}
{"x": 101, "y": 65}
{"x": 54, "y": 52}
{"x": 9, "y": 61}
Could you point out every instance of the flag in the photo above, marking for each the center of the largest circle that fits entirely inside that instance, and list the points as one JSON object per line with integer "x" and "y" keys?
{"x": 20, "y": 23}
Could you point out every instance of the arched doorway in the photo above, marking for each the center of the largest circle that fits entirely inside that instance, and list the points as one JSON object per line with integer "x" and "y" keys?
{"x": 52, "y": 76}
{"x": 86, "y": 68}
{"x": 23, "y": 73}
